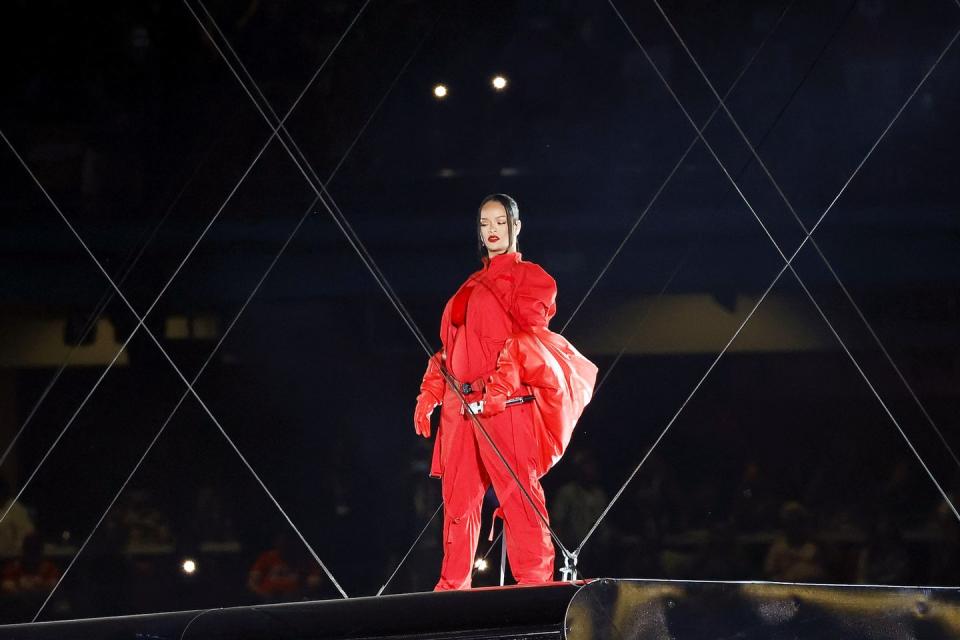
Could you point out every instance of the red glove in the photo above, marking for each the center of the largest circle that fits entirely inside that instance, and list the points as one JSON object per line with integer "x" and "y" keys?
{"x": 431, "y": 392}
{"x": 421, "y": 415}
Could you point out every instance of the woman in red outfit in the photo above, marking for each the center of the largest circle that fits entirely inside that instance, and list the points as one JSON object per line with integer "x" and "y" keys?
{"x": 495, "y": 338}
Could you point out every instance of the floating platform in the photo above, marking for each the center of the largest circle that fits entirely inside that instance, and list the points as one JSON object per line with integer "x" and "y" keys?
{"x": 603, "y": 609}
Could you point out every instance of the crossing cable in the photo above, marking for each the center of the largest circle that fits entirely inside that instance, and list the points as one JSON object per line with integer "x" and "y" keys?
{"x": 410, "y": 550}
{"x": 153, "y": 338}
{"x": 233, "y": 323}
{"x": 793, "y": 94}
{"x": 101, "y": 306}
{"x": 693, "y": 142}
{"x": 174, "y": 366}
{"x": 755, "y": 155}
{"x": 676, "y": 167}
{"x": 328, "y": 181}
{"x": 176, "y": 271}
{"x": 740, "y": 173}
{"x": 223, "y": 337}
{"x": 169, "y": 418}
{"x": 317, "y": 185}
{"x": 328, "y": 202}
{"x": 783, "y": 269}
{"x": 340, "y": 219}
{"x": 743, "y": 168}
{"x": 796, "y": 275}
{"x": 658, "y": 191}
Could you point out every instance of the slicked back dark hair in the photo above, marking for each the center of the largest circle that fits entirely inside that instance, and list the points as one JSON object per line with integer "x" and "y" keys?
{"x": 513, "y": 215}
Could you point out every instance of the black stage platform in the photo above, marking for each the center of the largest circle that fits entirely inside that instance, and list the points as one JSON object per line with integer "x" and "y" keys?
{"x": 594, "y": 610}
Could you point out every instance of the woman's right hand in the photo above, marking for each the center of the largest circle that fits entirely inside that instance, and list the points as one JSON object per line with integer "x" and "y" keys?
{"x": 431, "y": 392}
{"x": 421, "y": 415}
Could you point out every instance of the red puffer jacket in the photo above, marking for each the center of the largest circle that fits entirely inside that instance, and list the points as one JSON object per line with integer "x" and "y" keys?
{"x": 495, "y": 328}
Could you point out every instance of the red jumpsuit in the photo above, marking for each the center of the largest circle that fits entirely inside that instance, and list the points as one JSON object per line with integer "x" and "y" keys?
{"x": 495, "y": 328}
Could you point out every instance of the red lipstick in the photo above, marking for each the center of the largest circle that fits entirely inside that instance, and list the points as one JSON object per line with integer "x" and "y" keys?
{"x": 492, "y": 239}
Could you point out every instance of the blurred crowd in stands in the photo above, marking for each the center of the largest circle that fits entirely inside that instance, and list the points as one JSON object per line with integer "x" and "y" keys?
{"x": 749, "y": 533}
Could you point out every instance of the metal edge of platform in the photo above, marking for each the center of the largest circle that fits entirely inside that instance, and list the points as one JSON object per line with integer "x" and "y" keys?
{"x": 608, "y": 609}
{"x": 495, "y": 612}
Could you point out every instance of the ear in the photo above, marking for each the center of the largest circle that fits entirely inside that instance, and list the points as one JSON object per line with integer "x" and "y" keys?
{"x": 516, "y": 227}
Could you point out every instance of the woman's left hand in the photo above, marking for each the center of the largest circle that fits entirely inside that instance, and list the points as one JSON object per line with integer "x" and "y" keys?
{"x": 421, "y": 414}
{"x": 493, "y": 404}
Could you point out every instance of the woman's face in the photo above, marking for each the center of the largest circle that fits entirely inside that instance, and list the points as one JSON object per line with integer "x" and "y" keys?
{"x": 494, "y": 230}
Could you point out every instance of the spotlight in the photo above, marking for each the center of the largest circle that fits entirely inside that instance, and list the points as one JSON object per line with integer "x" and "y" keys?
{"x": 189, "y": 566}
{"x": 499, "y": 83}
{"x": 480, "y": 564}
{"x": 440, "y": 91}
